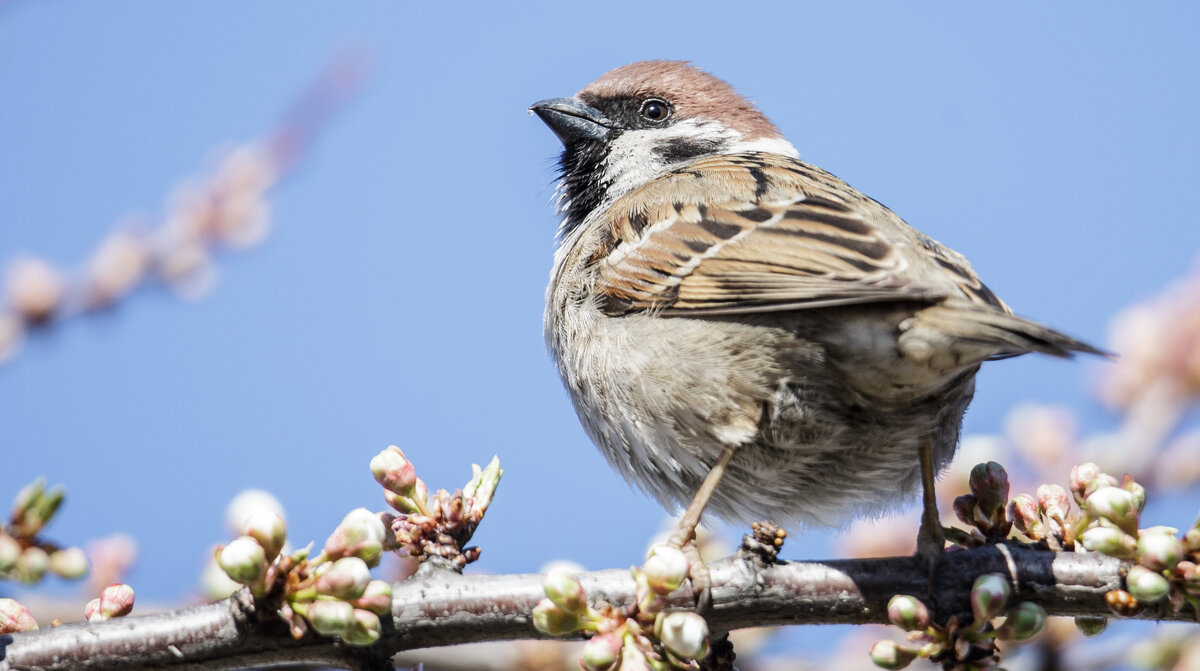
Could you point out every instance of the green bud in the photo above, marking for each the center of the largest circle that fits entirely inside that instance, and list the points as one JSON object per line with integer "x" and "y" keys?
{"x": 31, "y": 565}
{"x": 1138, "y": 491}
{"x": 563, "y": 588}
{"x": 665, "y": 569}
{"x": 1109, "y": 541}
{"x": 908, "y": 612}
{"x": 1115, "y": 505}
{"x": 243, "y": 560}
{"x": 269, "y": 529}
{"x": 891, "y": 655}
{"x": 1158, "y": 548}
{"x": 69, "y": 563}
{"x": 1023, "y": 622}
{"x": 550, "y": 619}
{"x": 330, "y": 617}
{"x": 1146, "y": 585}
{"x": 988, "y": 596}
{"x": 345, "y": 579}
{"x": 360, "y": 534}
{"x": 364, "y": 629}
{"x": 10, "y": 552}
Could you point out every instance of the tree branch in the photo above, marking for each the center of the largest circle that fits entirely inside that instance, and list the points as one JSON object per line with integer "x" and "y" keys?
{"x": 440, "y": 607}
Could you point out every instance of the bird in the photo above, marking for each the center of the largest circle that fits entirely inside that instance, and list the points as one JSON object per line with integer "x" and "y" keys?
{"x": 743, "y": 332}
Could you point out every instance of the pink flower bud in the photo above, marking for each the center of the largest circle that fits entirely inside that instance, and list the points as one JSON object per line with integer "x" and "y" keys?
{"x": 1054, "y": 502}
{"x": 601, "y": 652}
{"x": 360, "y": 534}
{"x": 15, "y": 617}
{"x": 116, "y": 600}
{"x": 1023, "y": 511}
{"x": 395, "y": 472}
{"x": 377, "y": 598}
{"x": 1081, "y": 477}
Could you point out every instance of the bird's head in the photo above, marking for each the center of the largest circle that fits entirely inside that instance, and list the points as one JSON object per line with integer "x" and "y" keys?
{"x": 641, "y": 120}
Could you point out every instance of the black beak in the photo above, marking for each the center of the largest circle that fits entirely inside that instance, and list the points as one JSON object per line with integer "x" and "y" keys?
{"x": 571, "y": 120}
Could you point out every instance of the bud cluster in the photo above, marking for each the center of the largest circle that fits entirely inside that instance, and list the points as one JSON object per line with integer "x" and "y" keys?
{"x": 440, "y": 525}
{"x": 23, "y": 555}
{"x": 647, "y": 636}
{"x": 983, "y": 510}
{"x": 959, "y": 645}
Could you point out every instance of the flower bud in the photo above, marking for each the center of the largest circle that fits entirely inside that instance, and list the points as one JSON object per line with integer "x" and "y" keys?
{"x": 377, "y": 598}
{"x": 989, "y": 484}
{"x": 31, "y": 565}
{"x": 243, "y": 560}
{"x": 988, "y": 596}
{"x": 1082, "y": 476}
{"x": 1158, "y": 548}
{"x": 91, "y": 610}
{"x": 665, "y": 569}
{"x": 116, "y": 600}
{"x": 345, "y": 579}
{"x": 1023, "y": 511}
{"x": 1138, "y": 491}
{"x": 269, "y": 529}
{"x": 364, "y": 629}
{"x": 34, "y": 289}
{"x": 1091, "y": 626}
{"x": 330, "y": 617}
{"x": 563, "y": 588}
{"x": 15, "y": 617}
{"x": 360, "y": 534}
{"x": 683, "y": 633}
{"x": 1054, "y": 502}
{"x": 482, "y": 486}
{"x": 395, "y": 472}
{"x": 1023, "y": 622}
{"x": 633, "y": 658}
{"x": 10, "y": 552}
{"x": 964, "y": 509}
{"x": 891, "y": 655}
{"x": 1109, "y": 541}
{"x": 1146, "y": 585}
{"x": 550, "y": 619}
{"x": 69, "y": 563}
{"x": 908, "y": 613}
{"x": 601, "y": 652}
{"x": 1115, "y": 505}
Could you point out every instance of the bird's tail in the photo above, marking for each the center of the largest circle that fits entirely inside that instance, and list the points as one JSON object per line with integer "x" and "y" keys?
{"x": 982, "y": 333}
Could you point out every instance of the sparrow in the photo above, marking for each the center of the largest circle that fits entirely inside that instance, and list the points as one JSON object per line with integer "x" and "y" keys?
{"x": 742, "y": 330}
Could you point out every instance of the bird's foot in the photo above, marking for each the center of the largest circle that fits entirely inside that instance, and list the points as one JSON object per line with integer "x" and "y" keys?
{"x": 931, "y": 544}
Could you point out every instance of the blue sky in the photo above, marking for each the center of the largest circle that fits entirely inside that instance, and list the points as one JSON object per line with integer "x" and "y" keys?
{"x": 399, "y": 297}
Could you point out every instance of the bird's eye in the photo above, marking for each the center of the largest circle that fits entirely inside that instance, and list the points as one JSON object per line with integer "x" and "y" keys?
{"x": 655, "y": 110}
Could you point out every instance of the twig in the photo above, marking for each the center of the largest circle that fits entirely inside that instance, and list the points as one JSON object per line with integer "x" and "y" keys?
{"x": 440, "y": 607}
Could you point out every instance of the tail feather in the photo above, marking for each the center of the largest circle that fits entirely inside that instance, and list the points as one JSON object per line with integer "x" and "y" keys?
{"x": 979, "y": 333}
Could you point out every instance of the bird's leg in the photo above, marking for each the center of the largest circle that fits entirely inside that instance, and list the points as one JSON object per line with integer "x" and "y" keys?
{"x": 931, "y": 540}
{"x": 685, "y": 530}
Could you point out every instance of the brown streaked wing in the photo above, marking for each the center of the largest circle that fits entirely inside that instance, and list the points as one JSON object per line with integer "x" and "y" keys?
{"x": 747, "y": 256}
